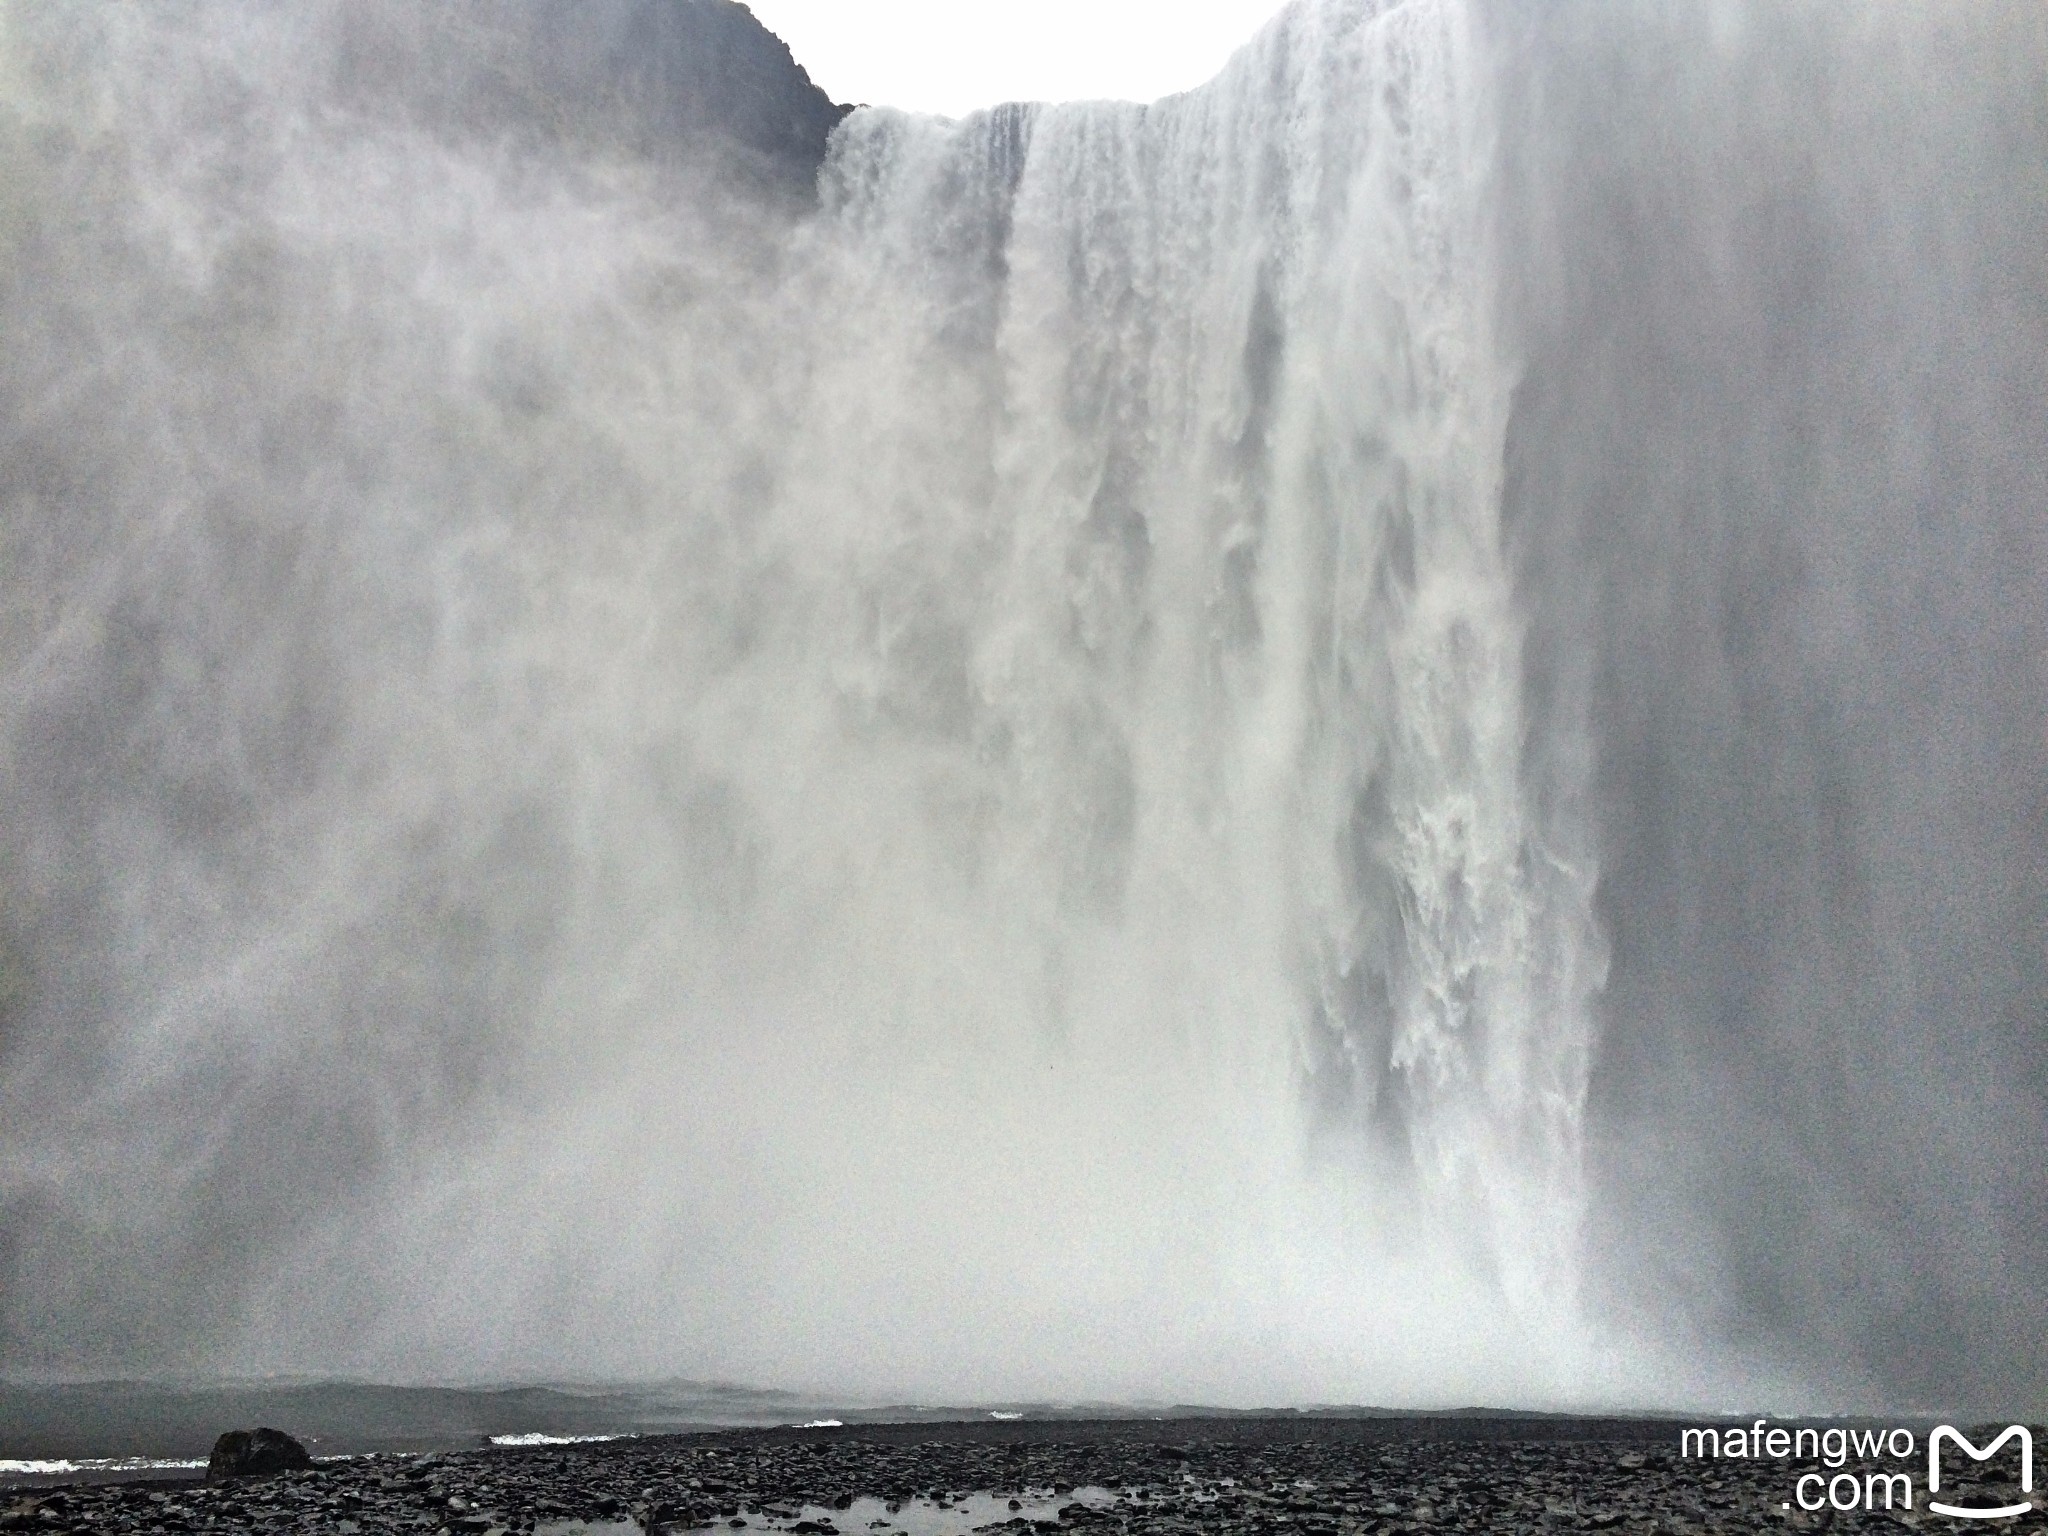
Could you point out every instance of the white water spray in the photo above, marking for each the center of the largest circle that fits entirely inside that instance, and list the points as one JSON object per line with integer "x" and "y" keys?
{"x": 961, "y": 765}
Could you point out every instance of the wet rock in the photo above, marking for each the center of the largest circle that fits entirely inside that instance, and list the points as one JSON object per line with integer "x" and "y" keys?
{"x": 1239, "y": 1478}
{"x": 255, "y": 1453}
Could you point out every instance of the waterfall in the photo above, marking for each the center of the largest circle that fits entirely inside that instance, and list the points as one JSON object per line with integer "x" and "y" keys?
{"x": 1219, "y": 631}
{"x": 1332, "y": 740}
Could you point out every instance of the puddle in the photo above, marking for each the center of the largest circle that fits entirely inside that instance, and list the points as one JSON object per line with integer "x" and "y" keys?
{"x": 865, "y": 1516}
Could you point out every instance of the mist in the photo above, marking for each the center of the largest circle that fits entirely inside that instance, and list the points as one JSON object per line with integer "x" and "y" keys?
{"x": 1377, "y": 734}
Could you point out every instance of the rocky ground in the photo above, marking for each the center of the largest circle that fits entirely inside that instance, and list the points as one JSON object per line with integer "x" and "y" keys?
{"x": 1328, "y": 1477}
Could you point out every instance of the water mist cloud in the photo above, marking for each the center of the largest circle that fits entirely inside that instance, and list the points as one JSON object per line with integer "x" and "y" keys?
{"x": 1191, "y": 751}
{"x": 1777, "y": 481}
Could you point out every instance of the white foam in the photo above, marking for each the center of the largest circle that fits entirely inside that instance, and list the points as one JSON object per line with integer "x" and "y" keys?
{"x": 61, "y": 1465}
{"x": 538, "y": 1437}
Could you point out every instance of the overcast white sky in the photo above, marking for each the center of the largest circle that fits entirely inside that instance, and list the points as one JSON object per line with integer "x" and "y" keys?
{"x": 951, "y": 56}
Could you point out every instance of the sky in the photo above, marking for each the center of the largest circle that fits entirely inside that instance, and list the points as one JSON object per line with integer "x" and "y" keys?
{"x": 952, "y": 56}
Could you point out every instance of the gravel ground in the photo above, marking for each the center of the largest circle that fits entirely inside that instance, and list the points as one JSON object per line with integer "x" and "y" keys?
{"x": 1318, "y": 1477}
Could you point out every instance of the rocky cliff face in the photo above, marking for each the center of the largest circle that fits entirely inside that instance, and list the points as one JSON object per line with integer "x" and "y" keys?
{"x": 671, "y": 80}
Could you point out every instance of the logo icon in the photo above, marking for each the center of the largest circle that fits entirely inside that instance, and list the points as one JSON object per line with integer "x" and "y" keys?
{"x": 1971, "y": 1511}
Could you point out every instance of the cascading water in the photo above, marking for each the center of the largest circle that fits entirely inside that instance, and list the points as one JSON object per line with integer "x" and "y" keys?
{"x": 1221, "y": 633}
{"x": 992, "y": 787}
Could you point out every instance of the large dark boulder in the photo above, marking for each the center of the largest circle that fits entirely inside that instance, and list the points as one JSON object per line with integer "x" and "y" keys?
{"x": 255, "y": 1453}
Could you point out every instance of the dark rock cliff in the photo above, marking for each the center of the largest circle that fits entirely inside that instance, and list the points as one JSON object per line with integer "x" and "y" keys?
{"x": 669, "y": 80}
